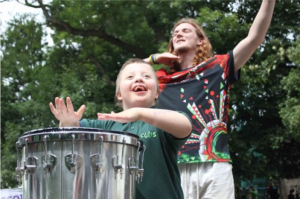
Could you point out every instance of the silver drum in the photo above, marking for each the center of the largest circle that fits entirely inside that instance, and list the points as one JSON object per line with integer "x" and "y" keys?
{"x": 79, "y": 163}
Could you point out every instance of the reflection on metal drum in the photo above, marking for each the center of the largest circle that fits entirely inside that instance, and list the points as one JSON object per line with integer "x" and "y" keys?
{"x": 77, "y": 163}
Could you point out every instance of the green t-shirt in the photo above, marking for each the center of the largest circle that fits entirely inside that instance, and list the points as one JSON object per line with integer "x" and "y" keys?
{"x": 161, "y": 178}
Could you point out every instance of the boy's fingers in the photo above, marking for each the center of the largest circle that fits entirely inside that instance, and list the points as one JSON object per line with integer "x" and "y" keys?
{"x": 81, "y": 110}
{"x": 62, "y": 105}
{"x": 69, "y": 105}
{"x": 53, "y": 110}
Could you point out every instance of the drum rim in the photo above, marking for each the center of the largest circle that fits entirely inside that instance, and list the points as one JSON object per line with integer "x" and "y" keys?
{"x": 70, "y": 129}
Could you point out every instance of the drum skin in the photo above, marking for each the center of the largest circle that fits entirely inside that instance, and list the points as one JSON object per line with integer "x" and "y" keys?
{"x": 79, "y": 163}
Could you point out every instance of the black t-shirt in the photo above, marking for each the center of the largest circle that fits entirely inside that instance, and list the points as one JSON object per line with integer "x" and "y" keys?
{"x": 202, "y": 92}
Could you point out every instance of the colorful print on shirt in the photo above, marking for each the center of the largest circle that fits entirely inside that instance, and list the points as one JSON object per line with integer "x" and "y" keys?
{"x": 202, "y": 93}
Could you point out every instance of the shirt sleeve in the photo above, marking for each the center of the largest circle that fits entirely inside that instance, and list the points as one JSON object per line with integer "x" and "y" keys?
{"x": 91, "y": 123}
{"x": 233, "y": 75}
{"x": 179, "y": 141}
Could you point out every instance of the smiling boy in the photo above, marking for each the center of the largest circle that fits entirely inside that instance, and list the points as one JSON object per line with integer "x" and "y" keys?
{"x": 163, "y": 132}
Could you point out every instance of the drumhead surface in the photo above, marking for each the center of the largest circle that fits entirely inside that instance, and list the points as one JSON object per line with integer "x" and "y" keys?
{"x": 77, "y": 134}
{"x": 76, "y": 129}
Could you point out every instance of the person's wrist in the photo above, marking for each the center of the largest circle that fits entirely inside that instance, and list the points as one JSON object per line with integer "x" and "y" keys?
{"x": 153, "y": 59}
{"x": 67, "y": 124}
{"x": 141, "y": 113}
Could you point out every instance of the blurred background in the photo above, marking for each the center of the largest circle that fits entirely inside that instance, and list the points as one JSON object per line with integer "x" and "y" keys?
{"x": 76, "y": 48}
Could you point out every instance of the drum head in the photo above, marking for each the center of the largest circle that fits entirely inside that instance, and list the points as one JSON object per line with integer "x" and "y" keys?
{"x": 77, "y": 133}
{"x": 76, "y": 129}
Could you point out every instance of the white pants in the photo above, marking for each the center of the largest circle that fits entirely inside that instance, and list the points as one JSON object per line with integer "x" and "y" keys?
{"x": 207, "y": 180}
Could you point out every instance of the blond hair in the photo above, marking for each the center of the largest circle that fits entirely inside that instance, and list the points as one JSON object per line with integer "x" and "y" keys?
{"x": 128, "y": 62}
{"x": 204, "y": 51}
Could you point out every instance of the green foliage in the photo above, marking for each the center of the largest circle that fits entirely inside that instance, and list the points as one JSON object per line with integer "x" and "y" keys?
{"x": 21, "y": 42}
{"x": 92, "y": 39}
{"x": 290, "y": 108}
{"x": 218, "y": 26}
{"x": 31, "y": 78}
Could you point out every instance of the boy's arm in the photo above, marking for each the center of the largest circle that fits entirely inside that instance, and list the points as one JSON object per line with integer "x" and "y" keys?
{"x": 244, "y": 50}
{"x": 172, "y": 122}
{"x": 169, "y": 121}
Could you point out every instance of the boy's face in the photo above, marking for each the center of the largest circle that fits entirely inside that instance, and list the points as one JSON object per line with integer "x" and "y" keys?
{"x": 138, "y": 87}
{"x": 185, "y": 38}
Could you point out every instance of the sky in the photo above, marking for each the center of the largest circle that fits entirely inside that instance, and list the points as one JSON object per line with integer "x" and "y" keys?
{"x": 11, "y": 8}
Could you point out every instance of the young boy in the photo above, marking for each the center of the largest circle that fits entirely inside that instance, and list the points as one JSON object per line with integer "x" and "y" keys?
{"x": 163, "y": 132}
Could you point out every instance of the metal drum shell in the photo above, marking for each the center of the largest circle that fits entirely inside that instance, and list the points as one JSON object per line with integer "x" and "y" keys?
{"x": 88, "y": 148}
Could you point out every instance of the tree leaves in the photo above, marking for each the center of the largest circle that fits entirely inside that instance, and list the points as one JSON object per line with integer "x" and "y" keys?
{"x": 92, "y": 39}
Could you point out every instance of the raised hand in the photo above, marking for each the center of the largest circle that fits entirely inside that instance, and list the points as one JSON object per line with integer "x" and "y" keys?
{"x": 65, "y": 112}
{"x": 167, "y": 59}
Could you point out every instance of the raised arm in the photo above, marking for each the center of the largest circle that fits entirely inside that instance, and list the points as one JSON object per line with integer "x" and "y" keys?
{"x": 172, "y": 122}
{"x": 244, "y": 50}
{"x": 165, "y": 58}
{"x": 65, "y": 113}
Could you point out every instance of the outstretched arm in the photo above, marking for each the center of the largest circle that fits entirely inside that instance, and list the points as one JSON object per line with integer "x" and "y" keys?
{"x": 65, "y": 113}
{"x": 244, "y": 50}
{"x": 172, "y": 122}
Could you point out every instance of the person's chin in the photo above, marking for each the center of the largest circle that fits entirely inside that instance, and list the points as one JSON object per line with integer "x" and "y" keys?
{"x": 181, "y": 49}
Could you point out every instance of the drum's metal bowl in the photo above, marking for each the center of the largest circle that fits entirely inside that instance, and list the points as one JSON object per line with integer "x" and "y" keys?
{"x": 77, "y": 163}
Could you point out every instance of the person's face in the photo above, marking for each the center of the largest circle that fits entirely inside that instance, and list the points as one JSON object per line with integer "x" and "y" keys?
{"x": 138, "y": 86}
{"x": 185, "y": 38}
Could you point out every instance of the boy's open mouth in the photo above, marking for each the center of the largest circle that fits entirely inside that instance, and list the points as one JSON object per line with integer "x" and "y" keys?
{"x": 139, "y": 88}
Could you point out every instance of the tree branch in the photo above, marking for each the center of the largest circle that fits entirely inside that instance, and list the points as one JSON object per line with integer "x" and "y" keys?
{"x": 102, "y": 71}
{"x": 63, "y": 26}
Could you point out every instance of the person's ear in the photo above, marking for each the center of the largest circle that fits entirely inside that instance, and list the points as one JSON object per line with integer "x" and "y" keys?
{"x": 119, "y": 96}
{"x": 156, "y": 96}
{"x": 200, "y": 42}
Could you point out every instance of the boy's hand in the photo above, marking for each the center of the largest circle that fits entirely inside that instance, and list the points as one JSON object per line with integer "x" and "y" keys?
{"x": 65, "y": 113}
